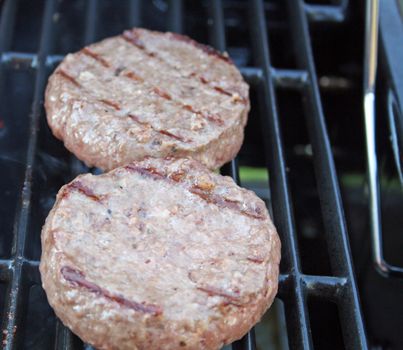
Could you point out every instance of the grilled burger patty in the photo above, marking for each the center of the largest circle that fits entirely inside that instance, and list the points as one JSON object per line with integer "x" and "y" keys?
{"x": 160, "y": 253}
{"x": 146, "y": 93}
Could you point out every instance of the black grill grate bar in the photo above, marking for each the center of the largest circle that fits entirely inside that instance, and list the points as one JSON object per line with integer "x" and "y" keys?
{"x": 18, "y": 59}
{"x": 175, "y": 16}
{"x": 289, "y": 78}
{"x": 134, "y": 13}
{"x": 31, "y": 263}
{"x": 218, "y": 40}
{"x": 328, "y": 188}
{"x": 327, "y": 13}
{"x": 7, "y": 23}
{"x": 294, "y": 300}
{"x": 252, "y": 75}
{"x": 27, "y": 60}
{"x": 216, "y": 25}
{"x": 247, "y": 342}
{"x": 53, "y": 60}
{"x": 329, "y": 287}
{"x": 6, "y": 263}
{"x": 65, "y": 339}
{"x": 283, "y": 78}
{"x": 91, "y": 21}
{"x": 14, "y": 295}
{"x": 5, "y": 270}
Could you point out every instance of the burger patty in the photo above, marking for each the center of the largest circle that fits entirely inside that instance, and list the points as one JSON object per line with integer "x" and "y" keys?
{"x": 157, "y": 254}
{"x": 146, "y": 93}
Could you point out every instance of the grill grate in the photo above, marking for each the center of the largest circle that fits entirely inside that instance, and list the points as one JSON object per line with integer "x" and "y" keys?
{"x": 19, "y": 268}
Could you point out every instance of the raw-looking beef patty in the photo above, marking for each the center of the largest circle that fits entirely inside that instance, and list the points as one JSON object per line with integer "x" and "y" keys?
{"x": 159, "y": 254}
{"x": 146, "y": 93}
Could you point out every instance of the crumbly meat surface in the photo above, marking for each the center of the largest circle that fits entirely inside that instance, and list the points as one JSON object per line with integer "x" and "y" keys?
{"x": 146, "y": 93}
{"x": 159, "y": 254}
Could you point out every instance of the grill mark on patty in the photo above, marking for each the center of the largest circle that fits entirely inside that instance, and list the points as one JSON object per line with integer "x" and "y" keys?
{"x": 116, "y": 106}
{"x": 134, "y": 76}
{"x": 133, "y": 38}
{"x": 206, "y": 195}
{"x": 203, "y": 80}
{"x": 165, "y": 95}
{"x": 68, "y": 77}
{"x": 177, "y": 176}
{"x": 167, "y": 133}
{"x": 149, "y": 171}
{"x": 226, "y": 203}
{"x": 205, "y": 48}
{"x": 162, "y": 132}
{"x": 81, "y": 188}
{"x": 110, "y": 103}
{"x": 161, "y": 93}
{"x": 211, "y": 117}
{"x": 137, "y": 120}
{"x": 219, "y": 89}
{"x": 77, "y": 278}
{"x": 230, "y": 297}
{"x": 235, "y": 97}
{"x": 86, "y": 51}
{"x": 255, "y": 260}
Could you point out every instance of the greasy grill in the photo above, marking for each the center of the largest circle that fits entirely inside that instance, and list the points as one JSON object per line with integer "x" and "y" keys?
{"x": 33, "y": 39}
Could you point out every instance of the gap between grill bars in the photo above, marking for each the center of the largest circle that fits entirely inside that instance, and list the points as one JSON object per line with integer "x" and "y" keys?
{"x": 295, "y": 286}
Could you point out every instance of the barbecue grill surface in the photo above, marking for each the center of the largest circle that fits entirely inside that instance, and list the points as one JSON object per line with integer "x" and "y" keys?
{"x": 286, "y": 138}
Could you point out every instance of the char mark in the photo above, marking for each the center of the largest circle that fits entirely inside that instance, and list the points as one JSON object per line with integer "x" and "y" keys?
{"x": 81, "y": 188}
{"x": 177, "y": 176}
{"x": 162, "y": 132}
{"x": 217, "y": 88}
{"x": 112, "y": 104}
{"x": 137, "y": 119}
{"x": 205, "y": 48}
{"x": 221, "y": 90}
{"x": 68, "y": 77}
{"x": 229, "y": 296}
{"x": 77, "y": 279}
{"x": 162, "y": 93}
{"x": 255, "y": 260}
{"x": 206, "y": 195}
{"x": 133, "y": 37}
{"x": 116, "y": 106}
{"x": 148, "y": 172}
{"x": 134, "y": 76}
{"x": 210, "y": 117}
{"x": 95, "y": 56}
{"x": 167, "y": 133}
{"x": 222, "y": 202}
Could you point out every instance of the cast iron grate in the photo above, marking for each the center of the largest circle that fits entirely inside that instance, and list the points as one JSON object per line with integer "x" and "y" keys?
{"x": 36, "y": 171}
